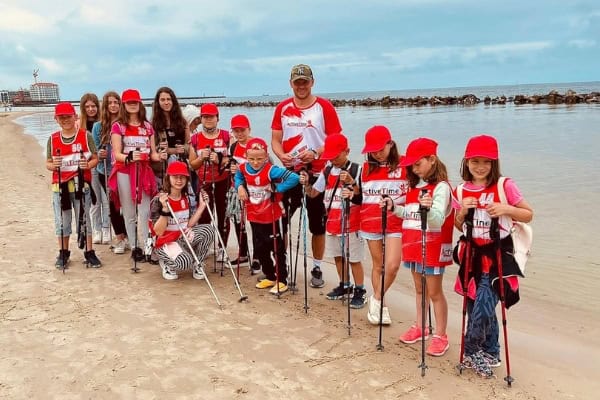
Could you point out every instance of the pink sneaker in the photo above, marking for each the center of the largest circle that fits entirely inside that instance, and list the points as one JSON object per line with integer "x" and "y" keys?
{"x": 412, "y": 335}
{"x": 438, "y": 346}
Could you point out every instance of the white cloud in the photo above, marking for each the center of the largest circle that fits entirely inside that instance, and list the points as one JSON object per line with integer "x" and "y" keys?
{"x": 19, "y": 20}
{"x": 582, "y": 43}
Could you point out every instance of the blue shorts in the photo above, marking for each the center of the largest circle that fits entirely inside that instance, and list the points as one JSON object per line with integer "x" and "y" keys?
{"x": 416, "y": 267}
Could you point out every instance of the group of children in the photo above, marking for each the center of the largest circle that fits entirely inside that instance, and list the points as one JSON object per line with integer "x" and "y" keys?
{"x": 402, "y": 206}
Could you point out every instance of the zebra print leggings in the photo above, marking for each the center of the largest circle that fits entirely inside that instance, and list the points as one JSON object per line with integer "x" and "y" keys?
{"x": 200, "y": 237}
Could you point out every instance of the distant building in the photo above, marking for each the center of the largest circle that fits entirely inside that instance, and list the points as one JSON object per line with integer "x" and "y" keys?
{"x": 44, "y": 92}
{"x": 4, "y": 97}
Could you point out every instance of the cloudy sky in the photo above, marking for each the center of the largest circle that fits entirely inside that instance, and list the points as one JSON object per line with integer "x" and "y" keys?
{"x": 244, "y": 48}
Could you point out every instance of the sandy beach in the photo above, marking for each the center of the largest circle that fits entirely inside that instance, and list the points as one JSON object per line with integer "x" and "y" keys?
{"x": 112, "y": 334}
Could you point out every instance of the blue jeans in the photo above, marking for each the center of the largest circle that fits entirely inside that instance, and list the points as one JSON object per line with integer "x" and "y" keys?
{"x": 482, "y": 327}
{"x": 67, "y": 214}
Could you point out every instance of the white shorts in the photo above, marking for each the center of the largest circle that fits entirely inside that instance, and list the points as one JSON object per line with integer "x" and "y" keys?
{"x": 333, "y": 246}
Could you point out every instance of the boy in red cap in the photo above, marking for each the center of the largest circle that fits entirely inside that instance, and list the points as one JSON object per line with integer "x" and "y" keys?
{"x": 429, "y": 189}
{"x": 70, "y": 155}
{"x": 259, "y": 184}
{"x": 339, "y": 181}
{"x": 174, "y": 255}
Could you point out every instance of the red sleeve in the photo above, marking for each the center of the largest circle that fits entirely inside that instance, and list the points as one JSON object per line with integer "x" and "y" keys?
{"x": 332, "y": 121}
{"x": 276, "y": 123}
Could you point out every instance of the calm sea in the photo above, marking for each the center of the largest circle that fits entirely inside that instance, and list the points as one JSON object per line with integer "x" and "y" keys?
{"x": 552, "y": 151}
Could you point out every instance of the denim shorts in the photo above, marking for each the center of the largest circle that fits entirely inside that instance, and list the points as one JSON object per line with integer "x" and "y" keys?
{"x": 67, "y": 215}
{"x": 416, "y": 267}
{"x": 379, "y": 236}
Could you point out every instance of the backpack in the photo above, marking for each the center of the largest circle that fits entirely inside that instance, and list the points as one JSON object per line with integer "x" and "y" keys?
{"x": 520, "y": 232}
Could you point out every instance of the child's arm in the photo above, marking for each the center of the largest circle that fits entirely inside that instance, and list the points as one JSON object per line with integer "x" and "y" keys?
{"x": 518, "y": 208}
{"x": 438, "y": 204}
{"x": 288, "y": 179}
{"x": 312, "y": 190}
{"x": 239, "y": 182}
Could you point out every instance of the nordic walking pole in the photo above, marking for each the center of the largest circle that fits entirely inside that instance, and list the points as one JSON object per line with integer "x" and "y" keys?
{"x": 295, "y": 274}
{"x": 237, "y": 284}
{"x": 107, "y": 192}
{"x": 467, "y": 271}
{"x": 82, "y": 223}
{"x": 198, "y": 263}
{"x": 383, "y": 232}
{"x": 423, "y": 211}
{"x": 135, "y": 201}
{"x": 62, "y": 228}
{"x": 304, "y": 226}
{"x": 274, "y": 236}
{"x": 346, "y": 242}
{"x": 495, "y": 231}
{"x": 211, "y": 201}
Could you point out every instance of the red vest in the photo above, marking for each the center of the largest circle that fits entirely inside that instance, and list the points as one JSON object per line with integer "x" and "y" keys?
{"x": 71, "y": 154}
{"x": 219, "y": 144}
{"x": 133, "y": 138}
{"x": 181, "y": 208}
{"x": 438, "y": 240}
{"x": 334, "y": 218}
{"x": 239, "y": 153}
{"x": 481, "y": 218}
{"x": 381, "y": 181}
{"x": 259, "y": 206}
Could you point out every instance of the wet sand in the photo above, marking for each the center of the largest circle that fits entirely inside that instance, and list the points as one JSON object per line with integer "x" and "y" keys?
{"x": 109, "y": 333}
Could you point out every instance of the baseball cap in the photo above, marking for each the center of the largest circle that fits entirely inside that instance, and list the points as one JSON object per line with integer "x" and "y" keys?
{"x": 209, "y": 109}
{"x": 417, "y": 149}
{"x": 301, "y": 71}
{"x": 130, "y": 95}
{"x": 64, "y": 108}
{"x": 178, "y": 168}
{"x": 376, "y": 138}
{"x": 240, "y": 121}
{"x": 334, "y": 145}
{"x": 256, "y": 144}
{"x": 482, "y": 146}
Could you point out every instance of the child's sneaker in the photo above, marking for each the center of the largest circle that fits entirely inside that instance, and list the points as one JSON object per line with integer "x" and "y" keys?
{"x": 138, "y": 254}
{"x": 91, "y": 260}
{"x": 316, "y": 280}
{"x": 62, "y": 259}
{"x": 198, "y": 274}
{"x": 240, "y": 260}
{"x": 97, "y": 237}
{"x": 167, "y": 273}
{"x": 265, "y": 283}
{"x": 282, "y": 288}
{"x": 481, "y": 366}
{"x": 359, "y": 298}
{"x": 493, "y": 361}
{"x": 413, "y": 335}
{"x": 373, "y": 313}
{"x": 255, "y": 267}
{"x": 339, "y": 292}
{"x": 438, "y": 346}
{"x": 119, "y": 247}
{"x": 105, "y": 235}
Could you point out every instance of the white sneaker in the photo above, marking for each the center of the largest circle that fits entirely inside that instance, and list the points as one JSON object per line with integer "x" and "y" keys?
{"x": 105, "y": 235}
{"x": 119, "y": 247}
{"x": 166, "y": 272}
{"x": 97, "y": 237}
{"x": 127, "y": 244}
{"x": 198, "y": 274}
{"x": 373, "y": 313}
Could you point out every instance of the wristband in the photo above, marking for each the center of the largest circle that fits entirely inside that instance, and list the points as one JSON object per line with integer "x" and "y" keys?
{"x": 164, "y": 214}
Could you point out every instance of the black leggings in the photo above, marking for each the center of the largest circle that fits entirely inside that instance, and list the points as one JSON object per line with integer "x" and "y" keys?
{"x": 220, "y": 198}
{"x": 116, "y": 219}
{"x": 262, "y": 238}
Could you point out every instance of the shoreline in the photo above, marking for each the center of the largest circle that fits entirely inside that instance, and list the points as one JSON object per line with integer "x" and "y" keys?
{"x": 108, "y": 333}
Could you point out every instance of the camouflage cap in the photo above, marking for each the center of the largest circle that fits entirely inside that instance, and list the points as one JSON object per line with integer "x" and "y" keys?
{"x": 301, "y": 71}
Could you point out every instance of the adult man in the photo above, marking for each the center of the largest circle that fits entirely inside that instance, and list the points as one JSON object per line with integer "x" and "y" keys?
{"x": 299, "y": 127}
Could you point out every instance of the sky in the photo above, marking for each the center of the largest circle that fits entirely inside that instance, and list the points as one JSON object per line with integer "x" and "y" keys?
{"x": 246, "y": 48}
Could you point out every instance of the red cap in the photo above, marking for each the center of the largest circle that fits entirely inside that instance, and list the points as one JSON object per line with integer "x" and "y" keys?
{"x": 417, "y": 149}
{"x": 178, "y": 168}
{"x": 64, "y": 108}
{"x": 376, "y": 138}
{"x": 482, "y": 146}
{"x": 256, "y": 144}
{"x": 334, "y": 145}
{"x": 209, "y": 109}
{"x": 240, "y": 121}
{"x": 130, "y": 95}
